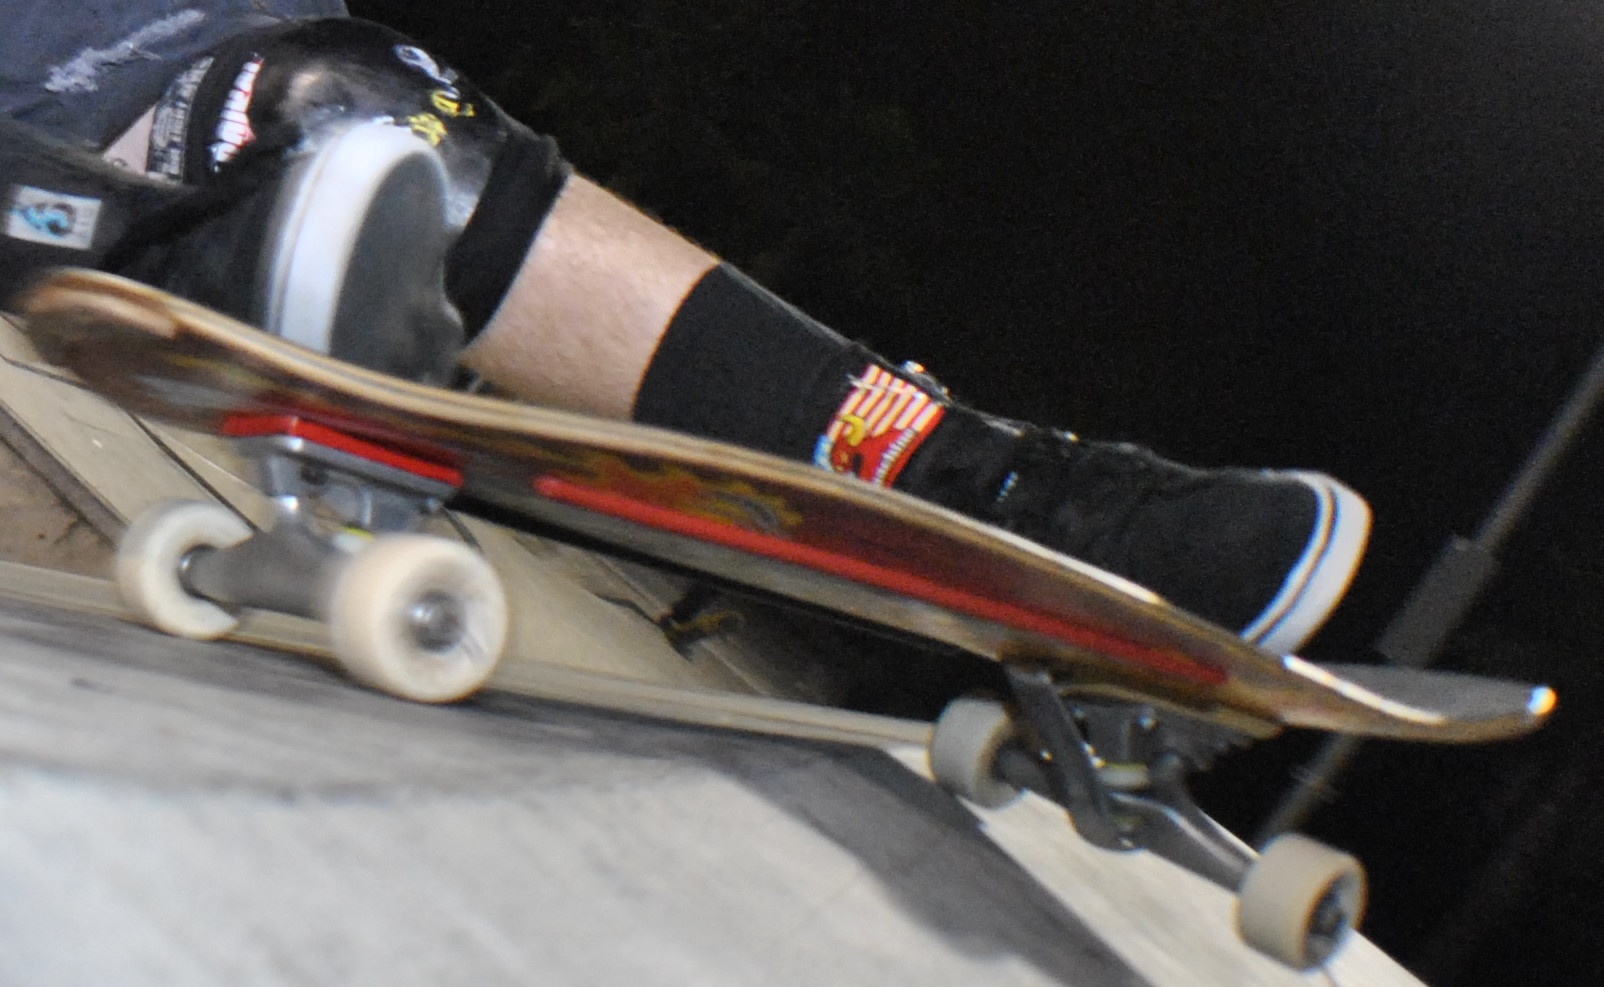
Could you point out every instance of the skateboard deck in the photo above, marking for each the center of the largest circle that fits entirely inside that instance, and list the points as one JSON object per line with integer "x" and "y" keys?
{"x": 1115, "y": 694}
{"x": 772, "y": 525}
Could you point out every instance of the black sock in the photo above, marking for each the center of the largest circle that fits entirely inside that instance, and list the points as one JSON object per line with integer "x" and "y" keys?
{"x": 739, "y": 365}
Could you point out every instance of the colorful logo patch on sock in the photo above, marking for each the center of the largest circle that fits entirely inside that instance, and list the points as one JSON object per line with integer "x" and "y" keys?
{"x": 878, "y": 427}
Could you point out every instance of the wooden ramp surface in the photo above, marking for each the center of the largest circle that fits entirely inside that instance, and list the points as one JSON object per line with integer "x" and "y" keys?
{"x": 180, "y": 813}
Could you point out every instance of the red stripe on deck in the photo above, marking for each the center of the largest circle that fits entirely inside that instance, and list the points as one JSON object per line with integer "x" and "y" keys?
{"x": 253, "y": 426}
{"x": 1170, "y": 663}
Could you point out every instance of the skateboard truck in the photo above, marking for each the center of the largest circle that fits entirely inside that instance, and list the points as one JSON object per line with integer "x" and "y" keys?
{"x": 313, "y": 486}
{"x": 697, "y": 616}
{"x": 415, "y": 615}
{"x": 1119, "y": 770}
{"x": 1125, "y": 798}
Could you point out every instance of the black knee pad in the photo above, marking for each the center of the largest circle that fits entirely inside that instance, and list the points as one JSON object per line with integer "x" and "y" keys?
{"x": 309, "y": 79}
{"x": 64, "y": 205}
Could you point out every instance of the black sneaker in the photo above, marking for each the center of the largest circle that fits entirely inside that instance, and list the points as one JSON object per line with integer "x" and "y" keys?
{"x": 1265, "y": 553}
{"x": 341, "y": 249}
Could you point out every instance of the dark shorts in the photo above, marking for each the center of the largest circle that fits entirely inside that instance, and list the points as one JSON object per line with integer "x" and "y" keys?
{"x": 84, "y": 71}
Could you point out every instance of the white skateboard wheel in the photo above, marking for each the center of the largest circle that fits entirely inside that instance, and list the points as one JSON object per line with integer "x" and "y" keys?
{"x": 963, "y": 751}
{"x": 151, "y": 554}
{"x": 1300, "y": 901}
{"x": 418, "y": 617}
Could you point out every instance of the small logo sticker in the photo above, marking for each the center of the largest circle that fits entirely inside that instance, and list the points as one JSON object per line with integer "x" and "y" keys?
{"x": 169, "y": 133}
{"x": 52, "y": 218}
{"x": 414, "y": 57}
{"x": 877, "y": 428}
{"x": 428, "y": 126}
{"x": 450, "y": 103}
{"x": 233, "y": 129}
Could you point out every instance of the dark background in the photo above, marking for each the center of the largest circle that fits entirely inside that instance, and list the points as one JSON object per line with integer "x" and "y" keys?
{"x": 1361, "y": 237}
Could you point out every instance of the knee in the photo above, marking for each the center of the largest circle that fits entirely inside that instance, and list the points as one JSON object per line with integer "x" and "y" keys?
{"x": 303, "y": 81}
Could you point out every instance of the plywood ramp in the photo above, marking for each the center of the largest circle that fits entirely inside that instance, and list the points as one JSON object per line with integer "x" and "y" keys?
{"x": 182, "y": 813}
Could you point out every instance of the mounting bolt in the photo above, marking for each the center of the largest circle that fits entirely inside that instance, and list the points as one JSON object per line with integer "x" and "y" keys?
{"x": 437, "y": 621}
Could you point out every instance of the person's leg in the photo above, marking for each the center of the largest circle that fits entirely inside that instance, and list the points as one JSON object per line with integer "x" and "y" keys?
{"x": 584, "y": 316}
{"x": 587, "y": 304}
{"x": 615, "y": 315}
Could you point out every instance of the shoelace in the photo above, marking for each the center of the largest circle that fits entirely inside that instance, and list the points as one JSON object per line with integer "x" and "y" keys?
{"x": 1082, "y": 497}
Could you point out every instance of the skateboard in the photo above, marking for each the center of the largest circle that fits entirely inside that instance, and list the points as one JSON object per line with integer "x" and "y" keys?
{"x": 1113, "y": 695}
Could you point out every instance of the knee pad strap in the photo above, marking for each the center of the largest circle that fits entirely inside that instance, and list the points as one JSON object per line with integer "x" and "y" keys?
{"x": 525, "y": 180}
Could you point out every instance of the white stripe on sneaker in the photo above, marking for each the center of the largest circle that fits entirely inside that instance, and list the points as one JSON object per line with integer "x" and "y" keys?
{"x": 1317, "y": 583}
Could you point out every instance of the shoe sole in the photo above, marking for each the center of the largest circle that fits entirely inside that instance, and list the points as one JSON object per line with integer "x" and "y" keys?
{"x": 1322, "y": 575}
{"x": 359, "y": 244}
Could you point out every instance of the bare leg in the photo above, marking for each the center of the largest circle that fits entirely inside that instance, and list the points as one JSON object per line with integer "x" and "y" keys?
{"x": 129, "y": 150}
{"x": 584, "y": 316}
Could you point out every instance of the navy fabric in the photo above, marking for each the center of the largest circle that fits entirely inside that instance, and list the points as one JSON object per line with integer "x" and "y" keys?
{"x": 84, "y": 71}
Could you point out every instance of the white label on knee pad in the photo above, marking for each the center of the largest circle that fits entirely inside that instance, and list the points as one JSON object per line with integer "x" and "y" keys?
{"x": 52, "y": 218}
